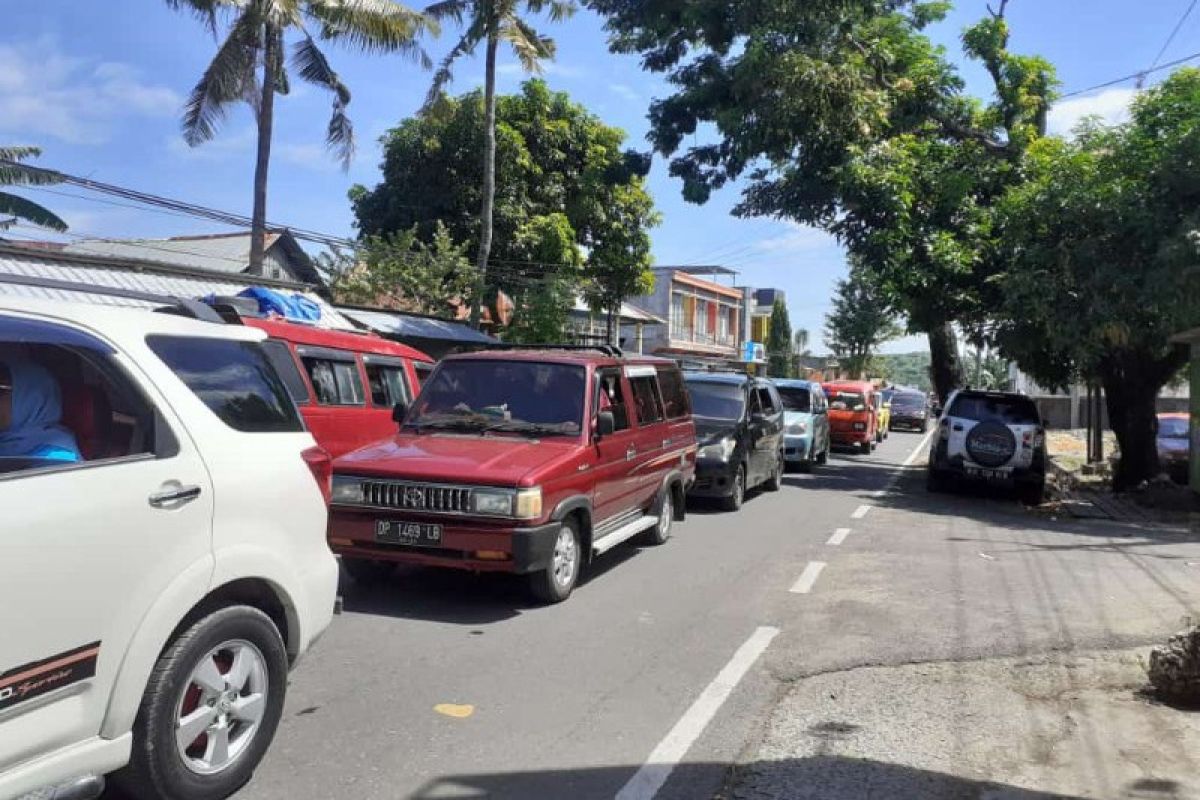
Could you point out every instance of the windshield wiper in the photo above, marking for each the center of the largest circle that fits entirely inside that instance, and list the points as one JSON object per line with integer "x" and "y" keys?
{"x": 472, "y": 424}
{"x": 521, "y": 426}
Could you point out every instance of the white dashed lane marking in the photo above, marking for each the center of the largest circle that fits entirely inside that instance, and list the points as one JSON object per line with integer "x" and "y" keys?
{"x": 808, "y": 577}
{"x": 838, "y": 537}
{"x": 860, "y": 512}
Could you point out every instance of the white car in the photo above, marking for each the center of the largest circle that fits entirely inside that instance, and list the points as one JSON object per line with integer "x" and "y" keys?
{"x": 156, "y": 585}
{"x": 990, "y": 436}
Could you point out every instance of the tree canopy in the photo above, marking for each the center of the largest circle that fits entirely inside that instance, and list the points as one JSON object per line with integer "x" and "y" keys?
{"x": 14, "y": 208}
{"x": 779, "y": 342}
{"x": 570, "y": 200}
{"x": 858, "y": 323}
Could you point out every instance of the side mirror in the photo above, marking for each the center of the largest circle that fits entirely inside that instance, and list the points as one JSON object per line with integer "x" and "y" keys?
{"x": 399, "y": 411}
{"x": 606, "y": 423}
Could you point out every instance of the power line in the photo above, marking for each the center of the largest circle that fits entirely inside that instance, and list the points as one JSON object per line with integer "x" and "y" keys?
{"x": 1191, "y": 7}
{"x": 1114, "y": 82}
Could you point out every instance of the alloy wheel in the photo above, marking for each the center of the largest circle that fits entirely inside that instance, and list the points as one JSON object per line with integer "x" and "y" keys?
{"x": 566, "y": 554}
{"x": 221, "y": 708}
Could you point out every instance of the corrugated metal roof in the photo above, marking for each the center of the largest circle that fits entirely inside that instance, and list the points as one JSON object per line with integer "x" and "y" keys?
{"x": 394, "y": 323}
{"x": 229, "y": 254}
{"x": 148, "y": 277}
{"x": 628, "y": 315}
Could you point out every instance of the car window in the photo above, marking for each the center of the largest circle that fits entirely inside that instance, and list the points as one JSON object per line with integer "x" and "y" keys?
{"x": 840, "y": 400}
{"x": 908, "y": 402}
{"x": 755, "y": 403}
{"x": 1006, "y": 410}
{"x": 713, "y": 400}
{"x": 234, "y": 379}
{"x": 1173, "y": 427}
{"x": 645, "y": 397}
{"x": 280, "y": 356}
{"x": 388, "y": 385}
{"x": 66, "y": 401}
{"x": 674, "y": 393}
{"x": 520, "y": 397}
{"x": 765, "y": 401}
{"x": 424, "y": 370}
{"x": 335, "y": 383}
{"x": 611, "y": 396}
{"x": 796, "y": 399}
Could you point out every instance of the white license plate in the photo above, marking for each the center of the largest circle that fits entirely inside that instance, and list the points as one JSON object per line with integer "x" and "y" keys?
{"x": 989, "y": 474}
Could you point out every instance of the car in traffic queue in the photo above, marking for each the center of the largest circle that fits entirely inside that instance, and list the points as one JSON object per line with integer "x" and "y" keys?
{"x": 739, "y": 426}
{"x": 852, "y": 418}
{"x": 163, "y": 557}
{"x": 990, "y": 437}
{"x": 883, "y": 415}
{"x": 1173, "y": 440}
{"x": 526, "y": 461}
{"x": 806, "y": 437}
{"x": 345, "y": 383}
{"x": 910, "y": 411}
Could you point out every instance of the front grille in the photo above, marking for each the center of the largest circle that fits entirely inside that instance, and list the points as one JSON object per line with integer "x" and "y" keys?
{"x": 416, "y": 496}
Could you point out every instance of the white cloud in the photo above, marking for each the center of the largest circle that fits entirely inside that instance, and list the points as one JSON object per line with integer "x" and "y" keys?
{"x": 47, "y": 93}
{"x": 1111, "y": 105}
{"x": 625, "y": 90}
{"x": 797, "y": 239}
{"x": 220, "y": 148}
{"x": 310, "y": 156}
{"x": 548, "y": 68}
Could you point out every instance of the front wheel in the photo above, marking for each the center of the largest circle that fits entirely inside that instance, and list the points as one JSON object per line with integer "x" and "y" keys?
{"x": 555, "y": 583}
{"x": 775, "y": 482}
{"x": 823, "y": 458}
{"x": 666, "y": 517}
{"x": 210, "y": 709}
{"x": 738, "y": 493}
{"x": 866, "y": 447}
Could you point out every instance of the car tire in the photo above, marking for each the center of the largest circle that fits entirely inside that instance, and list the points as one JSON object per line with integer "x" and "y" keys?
{"x": 774, "y": 481}
{"x": 367, "y": 571}
{"x": 823, "y": 458}
{"x": 866, "y": 447}
{"x": 661, "y": 531}
{"x": 555, "y": 583}
{"x": 737, "y": 495}
{"x": 245, "y": 711}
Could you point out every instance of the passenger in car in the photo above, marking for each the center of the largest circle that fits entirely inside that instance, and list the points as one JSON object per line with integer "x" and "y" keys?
{"x": 31, "y": 414}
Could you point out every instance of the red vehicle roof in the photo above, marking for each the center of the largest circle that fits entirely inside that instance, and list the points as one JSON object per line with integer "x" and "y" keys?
{"x": 344, "y": 340}
{"x": 861, "y": 386}
{"x": 581, "y": 357}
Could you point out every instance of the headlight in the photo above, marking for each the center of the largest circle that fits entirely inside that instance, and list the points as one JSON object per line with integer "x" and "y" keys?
{"x": 520, "y": 503}
{"x": 721, "y": 450}
{"x": 346, "y": 490}
{"x": 797, "y": 427}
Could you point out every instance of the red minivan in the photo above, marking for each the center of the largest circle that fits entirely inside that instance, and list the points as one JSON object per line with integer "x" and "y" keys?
{"x": 852, "y": 418}
{"x": 345, "y": 384}
{"x": 530, "y": 462}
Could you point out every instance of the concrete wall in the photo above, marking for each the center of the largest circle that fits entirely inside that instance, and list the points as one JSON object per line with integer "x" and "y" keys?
{"x": 1056, "y": 410}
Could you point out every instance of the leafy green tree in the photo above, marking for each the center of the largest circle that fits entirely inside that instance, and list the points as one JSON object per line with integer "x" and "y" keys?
{"x": 400, "y": 271}
{"x": 491, "y": 22}
{"x": 250, "y": 67}
{"x": 779, "y": 342}
{"x": 843, "y": 115}
{"x": 15, "y": 207}
{"x": 1102, "y": 266}
{"x": 858, "y": 323}
{"x": 800, "y": 341}
{"x": 543, "y": 302}
{"x": 556, "y": 164}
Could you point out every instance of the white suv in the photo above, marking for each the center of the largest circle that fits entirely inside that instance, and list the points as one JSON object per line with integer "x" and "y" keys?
{"x": 990, "y": 436}
{"x": 163, "y": 563}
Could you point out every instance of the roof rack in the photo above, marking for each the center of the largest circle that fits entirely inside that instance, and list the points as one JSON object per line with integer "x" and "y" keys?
{"x": 605, "y": 349}
{"x": 181, "y": 306}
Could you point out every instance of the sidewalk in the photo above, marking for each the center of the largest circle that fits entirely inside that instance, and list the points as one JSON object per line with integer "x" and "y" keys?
{"x": 1070, "y": 726}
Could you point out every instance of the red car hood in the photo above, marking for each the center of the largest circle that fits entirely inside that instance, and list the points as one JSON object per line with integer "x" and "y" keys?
{"x": 457, "y": 458}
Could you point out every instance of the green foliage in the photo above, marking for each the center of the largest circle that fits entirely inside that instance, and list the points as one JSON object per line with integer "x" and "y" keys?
{"x": 779, "y": 343}
{"x": 858, "y": 323}
{"x": 565, "y": 187}
{"x": 398, "y": 270}
{"x": 14, "y": 208}
{"x": 903, "y": 369}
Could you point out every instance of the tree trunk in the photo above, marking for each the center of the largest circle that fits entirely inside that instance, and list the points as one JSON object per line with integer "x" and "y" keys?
{"x": 266, "y": 122}
{"x": 944, "y": 367}
{"x": 1132, "y": 381}
{"x": 489, "y": 175}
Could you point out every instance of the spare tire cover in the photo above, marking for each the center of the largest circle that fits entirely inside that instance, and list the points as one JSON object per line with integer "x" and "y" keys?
{"x": 991, "y": 444}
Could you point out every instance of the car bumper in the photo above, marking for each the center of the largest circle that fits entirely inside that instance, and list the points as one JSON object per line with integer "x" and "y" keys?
{"x": 963, "y": 469}
{"x": 797, "y": 448}
{"x": 713, "y": 479}
{"x": 514, "y": 549}
{"x": 915, "y": 423}
{"x": 850, "y": 437}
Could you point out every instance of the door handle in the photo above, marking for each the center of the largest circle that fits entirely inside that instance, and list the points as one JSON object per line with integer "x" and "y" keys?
{"x": 630, "y": 453}
{"x": 958, "y": 427}
{"x": 180, "y": 494}
{"x": 666, "y": 443}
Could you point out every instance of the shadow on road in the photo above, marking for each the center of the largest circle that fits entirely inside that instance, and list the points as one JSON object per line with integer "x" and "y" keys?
{"x": 816, "y": 778}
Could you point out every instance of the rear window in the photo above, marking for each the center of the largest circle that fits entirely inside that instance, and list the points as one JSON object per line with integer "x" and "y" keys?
{"x": 795, "y": 399}
{"x": 280, "y": 356}
{"x": 674, "y": 394}
{"x": 846, "y": 401}
{"x": 1007, "y": 410}
{"x": 234, "y": 379}
{"x": 908, "y": 402}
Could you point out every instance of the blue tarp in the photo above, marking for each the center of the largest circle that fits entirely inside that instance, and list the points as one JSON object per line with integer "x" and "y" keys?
{"x": 294, "y": 307}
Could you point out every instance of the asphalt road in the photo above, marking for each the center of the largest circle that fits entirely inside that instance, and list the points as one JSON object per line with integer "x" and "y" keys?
{"x": 567, "y": 701}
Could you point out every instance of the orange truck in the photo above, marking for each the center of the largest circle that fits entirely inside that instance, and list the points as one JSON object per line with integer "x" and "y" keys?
{"x": 853, "y": 420}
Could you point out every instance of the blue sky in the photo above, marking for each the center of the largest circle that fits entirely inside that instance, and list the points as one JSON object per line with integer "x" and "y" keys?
{"x": 99, "y": 87}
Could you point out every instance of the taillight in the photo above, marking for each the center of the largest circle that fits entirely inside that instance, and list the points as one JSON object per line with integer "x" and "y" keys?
{"x": 321, "y": 465}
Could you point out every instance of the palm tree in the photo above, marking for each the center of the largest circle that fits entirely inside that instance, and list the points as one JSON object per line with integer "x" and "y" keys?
{"x": 492, "y": 21}
{"x": 14, "y": 173}
{"x": 800, "y": 338}
{"x": 249, "y": 67}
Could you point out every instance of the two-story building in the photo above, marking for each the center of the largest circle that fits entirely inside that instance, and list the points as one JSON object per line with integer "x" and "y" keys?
{"x": 705, "y": 318}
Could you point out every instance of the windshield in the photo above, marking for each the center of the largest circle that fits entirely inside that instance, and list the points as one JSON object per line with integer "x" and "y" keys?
{"x": 908, "y": 402}
{"x": 717, "y": 400}
{"x": 500, "y": 396}
{"x": 1008, "y": 410}
{"x": 1172, "y": 428}
{"x": 795, "y": 399}
{"x": 846, "y": 401}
